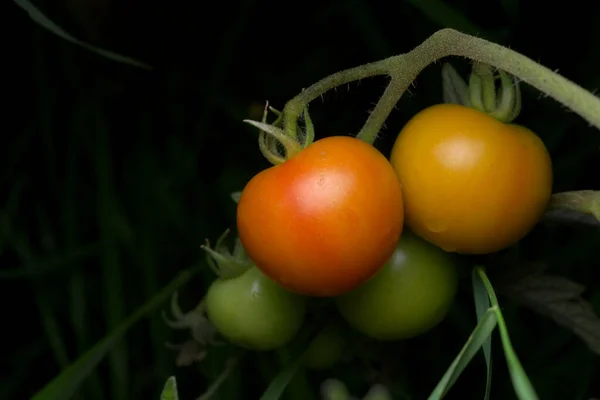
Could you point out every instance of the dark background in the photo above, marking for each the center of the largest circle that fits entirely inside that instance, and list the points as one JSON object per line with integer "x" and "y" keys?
{"x": 112, "y": 176}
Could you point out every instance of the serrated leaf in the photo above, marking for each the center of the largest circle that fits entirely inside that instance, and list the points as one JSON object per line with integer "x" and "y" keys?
{"x": 560, "y": 299}
{"x": 170, "y": 390}
{"x": 38, "y": 17}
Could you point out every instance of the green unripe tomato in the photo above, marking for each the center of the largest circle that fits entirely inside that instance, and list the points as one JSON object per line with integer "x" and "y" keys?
{"x": 410, "y": 295}
{"x": 253, "y": 312}
{"x": 326, "y": 349}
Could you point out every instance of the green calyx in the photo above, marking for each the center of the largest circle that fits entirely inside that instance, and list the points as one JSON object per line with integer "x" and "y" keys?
{"x": 273, "y": 137}
{"x": 502, "y": 102}
{"x": 224, "y": 263}
{"x": 455, "y": 89}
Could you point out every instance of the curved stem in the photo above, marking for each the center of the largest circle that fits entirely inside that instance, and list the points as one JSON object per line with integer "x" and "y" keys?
{"x": 382, "y": 110}
{"x": 294, "y": 107}
{"x": 404, "y": 69}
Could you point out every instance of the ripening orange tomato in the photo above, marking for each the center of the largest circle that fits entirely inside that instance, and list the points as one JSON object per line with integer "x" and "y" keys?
{"x": 471, "y": 184}
{"x": 324, "y": 221}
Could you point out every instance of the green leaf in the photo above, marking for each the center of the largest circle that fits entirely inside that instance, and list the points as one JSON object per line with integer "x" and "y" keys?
{"x": 521, "y": 383}
{"x": 170, "y": 390}
{"x": 583, "y": 201}
{"x": 235, "y": 196}
{"x": 37, "y": 16}
{"x": 455, "y": 89}
{"x": 480, "y": 334}
{"x": 482, "y": 304}
{"x": 66, "y": 383}
{"x": 560, "y": 299}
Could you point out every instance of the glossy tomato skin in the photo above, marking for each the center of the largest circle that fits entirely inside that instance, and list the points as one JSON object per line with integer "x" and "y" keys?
{"x": 326, "y": 350}
{"x": 470, "y": 183}
{"x": 325, "y": 220}
{"x": 254, "y": 312}
{"x": 410, "y": 295}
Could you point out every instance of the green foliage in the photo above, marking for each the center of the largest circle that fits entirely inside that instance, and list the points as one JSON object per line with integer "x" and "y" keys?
{"x": 100, "y": 210}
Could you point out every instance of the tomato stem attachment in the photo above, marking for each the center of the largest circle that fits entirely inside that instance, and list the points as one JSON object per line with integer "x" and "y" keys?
{"x": 504, "y": 104}
{"x": 271, "y": 135}
{"x": 225, "y": 264}
{"x": 404, "y": 68}
{"x": 291, "y": 146}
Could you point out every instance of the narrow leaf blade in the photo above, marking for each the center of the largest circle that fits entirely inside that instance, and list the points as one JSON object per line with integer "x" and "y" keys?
{"x": 454, "y": 87}
{"x": 482, "y": 331}
{"x": 37, "y": 16}
{"x": 66, "y": 383}
{"x": 520, "y": 380}
{"x": 482, "y": 303}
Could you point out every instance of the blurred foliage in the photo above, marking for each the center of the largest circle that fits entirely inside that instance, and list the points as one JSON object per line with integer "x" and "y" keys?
{"x": 113, "y": 176}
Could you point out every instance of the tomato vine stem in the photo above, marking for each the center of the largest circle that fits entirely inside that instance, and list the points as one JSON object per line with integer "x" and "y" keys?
{"x": 404, "y": 68}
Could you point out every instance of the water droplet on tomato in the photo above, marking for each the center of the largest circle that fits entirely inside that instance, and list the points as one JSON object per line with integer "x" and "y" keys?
{"x": 436, "y": 225}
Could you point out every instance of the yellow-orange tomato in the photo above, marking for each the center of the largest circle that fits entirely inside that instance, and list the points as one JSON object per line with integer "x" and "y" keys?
{"x": 324, "y": 221}
{"x": 470, "y": 183}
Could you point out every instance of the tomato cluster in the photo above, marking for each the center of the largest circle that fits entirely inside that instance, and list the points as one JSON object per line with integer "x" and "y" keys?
{"x": 339, "y": 220}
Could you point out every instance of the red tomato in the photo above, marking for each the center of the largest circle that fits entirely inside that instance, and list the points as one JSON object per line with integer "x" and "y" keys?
{"x": 471, "y": 184}
{"x": 324, "y": 221}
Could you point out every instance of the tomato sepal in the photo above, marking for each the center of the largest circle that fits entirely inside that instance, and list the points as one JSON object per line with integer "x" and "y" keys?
{"x": 224, "y": 263}
{"x": 503, "y": 104}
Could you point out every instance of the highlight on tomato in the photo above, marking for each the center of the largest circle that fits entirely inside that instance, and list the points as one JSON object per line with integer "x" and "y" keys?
{"x": 471, "y": 184}
{"x": 409, "y": 296}
{"x": 246, "y": 307}
{"x": 325, "y": 220}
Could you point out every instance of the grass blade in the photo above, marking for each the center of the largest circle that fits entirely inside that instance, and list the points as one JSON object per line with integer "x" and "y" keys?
{"x": 482, "y": 303}
{"x": 37, "y": 16}
{"x": 482, "y": 331}
{"x": 64, "y": 385}
{"x": 521, "y": 383}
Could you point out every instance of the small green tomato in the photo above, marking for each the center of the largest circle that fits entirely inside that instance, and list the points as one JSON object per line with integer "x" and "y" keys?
{"x": 410, "y": 295}
{"x": 253, "y": 312}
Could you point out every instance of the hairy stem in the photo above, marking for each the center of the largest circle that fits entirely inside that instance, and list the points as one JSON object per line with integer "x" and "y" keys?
{"x": 382, "y": 110}
{"x": 404, "y": 69}
{"x": 294, "y": 107}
